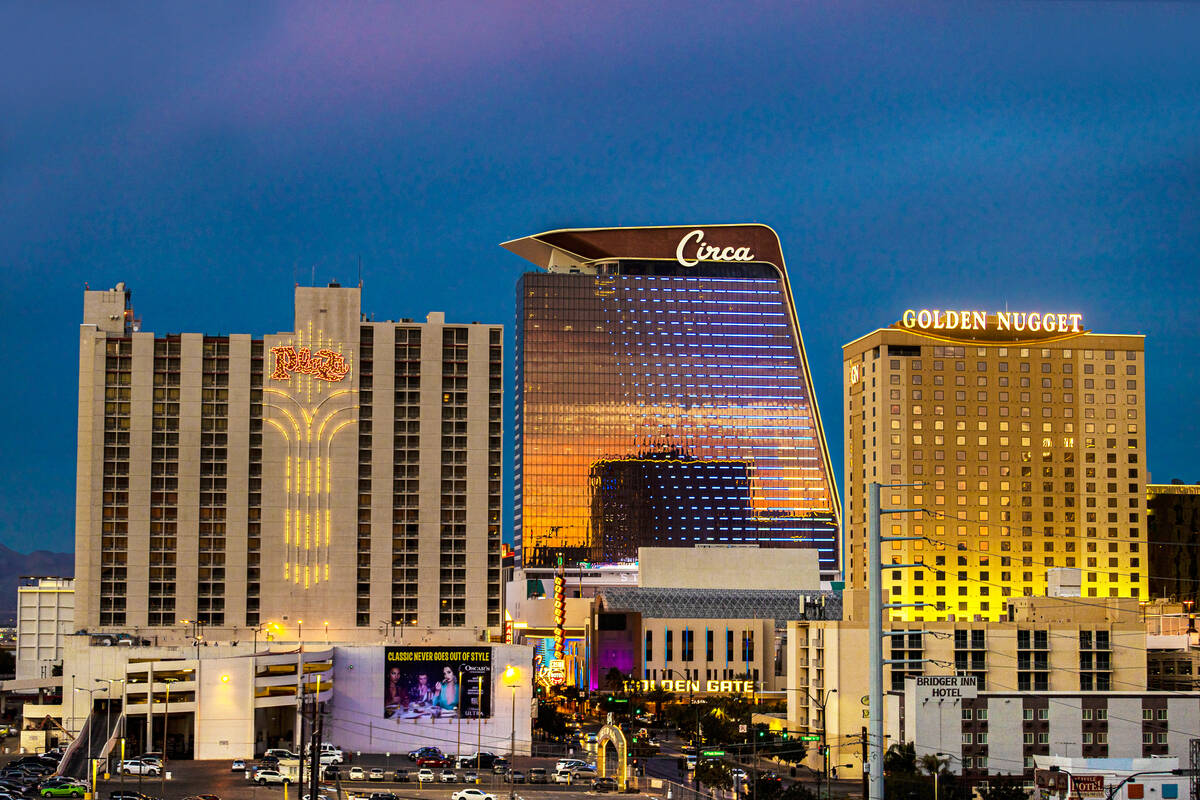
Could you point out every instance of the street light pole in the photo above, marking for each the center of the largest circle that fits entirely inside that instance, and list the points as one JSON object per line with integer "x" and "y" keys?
{"x": 91, "y": 704}
{"x": 821, "y": 704}
{"x": 162, "y": 773}
{"x": 510, "y": 677}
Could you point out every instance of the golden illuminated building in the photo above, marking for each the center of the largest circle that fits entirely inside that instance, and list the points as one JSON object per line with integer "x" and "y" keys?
{"x": 341, "y": 476}
{"x": 1024, "y": 437}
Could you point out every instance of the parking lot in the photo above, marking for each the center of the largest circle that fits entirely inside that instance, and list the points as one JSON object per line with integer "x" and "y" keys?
{"x": 209, "y": 777}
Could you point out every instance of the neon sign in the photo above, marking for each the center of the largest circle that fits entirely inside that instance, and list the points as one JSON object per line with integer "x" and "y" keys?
{"x": 707, "y": 252}
{"x": 936, "y": 319}
{"x": 726, "y": 687}
{"x": 324, "y": 364}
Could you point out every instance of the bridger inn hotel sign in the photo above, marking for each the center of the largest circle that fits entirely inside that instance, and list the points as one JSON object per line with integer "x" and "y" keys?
{"x": 997, "y": 327}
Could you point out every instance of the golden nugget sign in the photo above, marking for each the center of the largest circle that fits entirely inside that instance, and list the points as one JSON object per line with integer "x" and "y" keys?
{"x": 728, "y": 687}
{"x": 326, "y": 365}
{"x": 936, "y": 319}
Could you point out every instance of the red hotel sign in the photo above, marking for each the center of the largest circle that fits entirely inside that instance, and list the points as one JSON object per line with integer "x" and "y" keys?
{"x": 326, "y": 365}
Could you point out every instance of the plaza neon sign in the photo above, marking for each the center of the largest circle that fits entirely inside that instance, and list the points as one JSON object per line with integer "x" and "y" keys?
{"x": 326, "y": 365}
{"x": 708, "y": 252}
{"x": 936, "y": 319}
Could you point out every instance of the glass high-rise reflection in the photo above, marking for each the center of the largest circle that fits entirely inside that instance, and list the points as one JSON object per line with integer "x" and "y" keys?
{"x": 664, "y": 399}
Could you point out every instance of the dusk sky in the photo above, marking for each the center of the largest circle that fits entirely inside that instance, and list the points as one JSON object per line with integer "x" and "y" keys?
{"x": 1039, "y": 156}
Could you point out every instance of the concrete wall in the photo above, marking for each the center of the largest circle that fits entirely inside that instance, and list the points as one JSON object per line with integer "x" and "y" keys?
{"x": 722, "y": 567}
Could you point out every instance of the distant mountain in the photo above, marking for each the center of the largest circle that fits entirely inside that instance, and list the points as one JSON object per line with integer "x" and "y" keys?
{"x": 13, "y": 565}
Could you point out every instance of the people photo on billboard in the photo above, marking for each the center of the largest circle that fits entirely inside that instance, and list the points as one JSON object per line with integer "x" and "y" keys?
{"x": 434, "y": 682}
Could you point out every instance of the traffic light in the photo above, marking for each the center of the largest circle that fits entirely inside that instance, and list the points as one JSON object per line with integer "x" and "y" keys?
{"x": 785, "y": 735}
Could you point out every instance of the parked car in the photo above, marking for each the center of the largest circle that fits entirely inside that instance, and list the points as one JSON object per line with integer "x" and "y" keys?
{"x": 376, "y": 774}
{"x": 383, "y": 796}
{"x": 330, "y": 757}
{"x": 499, "y": 765}
{"x": 562, "y": 776}
{"x": 238, "y": 765}
{"x": 277, "y": 752}
{"x": 138, "y": 767}
{"x": 401, "y": 776}
{"x": 537, "y": 775}
{"x": 470, "y": 776}
{"x": 425, "y": 776}
{"x": 583, "y": 775}
{"x": 448, "y": 776}
{"x": 331, "y": 772}
{"x": 357, "y": 774}
{"x": 568, "y": 764}
{"x": 128, "y": 794}
{"x": 604, "y": 785}
{"x": 264, "y": 777}
{"x": 472, "y": 794}
{"x": 516, "y": 776}
{"x": 433, "y": 761}
{"x": 72, "y": 789}
{"x": 420, "y": 752}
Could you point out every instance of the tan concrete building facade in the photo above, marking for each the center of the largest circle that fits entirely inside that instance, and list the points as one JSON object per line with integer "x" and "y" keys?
{"x": 339, "y": 477}
{"x": 1028, "y": 446}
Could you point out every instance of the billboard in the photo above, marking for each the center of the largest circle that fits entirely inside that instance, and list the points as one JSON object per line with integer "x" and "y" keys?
{"x": 435, "y": 682}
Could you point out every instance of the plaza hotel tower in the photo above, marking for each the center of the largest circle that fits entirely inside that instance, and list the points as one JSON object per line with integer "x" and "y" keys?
{"x": 1022, "y": 437}
{"x": 343, "y": 476}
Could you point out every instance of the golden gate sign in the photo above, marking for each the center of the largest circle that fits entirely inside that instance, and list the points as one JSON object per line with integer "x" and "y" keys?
{"x": 326, "y": 365}
{"x": 729, "y": 687}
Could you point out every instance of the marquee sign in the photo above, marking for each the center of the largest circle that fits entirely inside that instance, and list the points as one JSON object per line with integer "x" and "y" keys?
{"x": 707, "y": 252}
{"x": 984, "y": 327}
{"x": 715, "y": 687}
{"x": 325, "y": 364}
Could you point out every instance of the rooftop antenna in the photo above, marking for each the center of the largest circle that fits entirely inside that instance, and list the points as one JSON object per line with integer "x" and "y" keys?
{"x": 360, "y": 271}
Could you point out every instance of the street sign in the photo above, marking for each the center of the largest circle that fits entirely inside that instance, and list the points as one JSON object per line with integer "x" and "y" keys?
{"x": 712, "y": 753}
{"x": 810, "y": 737}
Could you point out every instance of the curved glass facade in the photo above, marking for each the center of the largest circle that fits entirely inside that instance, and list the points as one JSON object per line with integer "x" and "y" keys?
{"x": 662, "y": 404}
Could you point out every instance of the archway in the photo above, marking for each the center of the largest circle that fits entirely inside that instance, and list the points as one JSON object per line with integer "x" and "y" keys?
{"x": 611, "y": 733}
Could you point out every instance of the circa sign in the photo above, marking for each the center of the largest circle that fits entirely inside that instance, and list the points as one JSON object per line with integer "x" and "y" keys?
{"x": 708, "y": 252}
{"x": 946, "y": 687}
{"x": 936, "y": 319}
{"x": 326, "y": 365}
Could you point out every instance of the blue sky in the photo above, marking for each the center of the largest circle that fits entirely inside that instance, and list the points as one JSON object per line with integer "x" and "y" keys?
{"x": 1043, "y": 155}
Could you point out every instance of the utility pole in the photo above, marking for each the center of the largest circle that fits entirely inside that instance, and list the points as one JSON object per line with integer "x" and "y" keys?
{"x": 875, "y": 645}
{"x": 865, "y": 773}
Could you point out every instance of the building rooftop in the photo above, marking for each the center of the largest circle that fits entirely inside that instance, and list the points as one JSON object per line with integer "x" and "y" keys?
{"x": 776, "y": 604}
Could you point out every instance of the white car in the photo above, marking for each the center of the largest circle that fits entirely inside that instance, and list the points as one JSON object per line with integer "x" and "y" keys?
{"x": 136, "y": 767}
{"x": 569, "y": 764}
{"x": 472, "y": 794}
{"x": 561, "y": 776}
{"x": 331, "y": 757}
{"x": 357, "y": 774}
{"x": 375, "y": 775}
{"x": 270, "y": 776}
{"x": 426, "y": 776}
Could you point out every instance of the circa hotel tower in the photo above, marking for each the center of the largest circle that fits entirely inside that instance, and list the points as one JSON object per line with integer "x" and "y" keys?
{"x": 664, "y": 398}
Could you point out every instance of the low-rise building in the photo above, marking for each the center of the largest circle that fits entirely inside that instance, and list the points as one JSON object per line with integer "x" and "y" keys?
{"x": 45, "y": 614}
{"x": 1045, "y": 645}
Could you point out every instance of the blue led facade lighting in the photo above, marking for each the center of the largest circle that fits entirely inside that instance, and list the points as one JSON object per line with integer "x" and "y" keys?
{"x": 664, "y": 398}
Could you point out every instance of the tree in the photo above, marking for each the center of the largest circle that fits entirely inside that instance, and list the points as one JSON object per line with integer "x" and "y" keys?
{"x": 1004, "y": 787}
{"x": 658, "y": 696}
{"x": 614, "y": 680}
{"x": 716, "y": 774}
{"x": 798, "y": 791}
{"x": 900, "y": 759}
